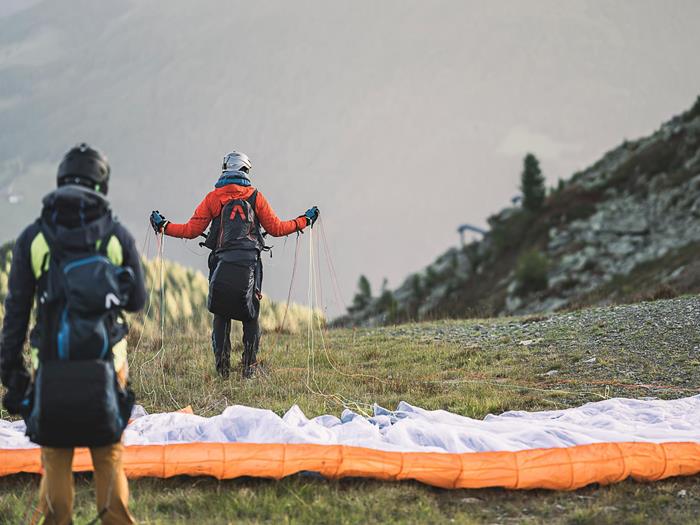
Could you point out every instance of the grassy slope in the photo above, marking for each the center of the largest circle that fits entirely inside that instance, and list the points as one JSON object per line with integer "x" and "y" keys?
{"x": 469, "y": 367}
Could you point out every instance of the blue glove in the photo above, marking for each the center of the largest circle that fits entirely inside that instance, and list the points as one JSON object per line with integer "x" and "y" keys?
{"x": 311, "y": 216}
{"x": 158, "y": 221}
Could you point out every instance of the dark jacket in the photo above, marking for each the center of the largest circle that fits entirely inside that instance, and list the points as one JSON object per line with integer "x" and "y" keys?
{"x": 24, "y": 285}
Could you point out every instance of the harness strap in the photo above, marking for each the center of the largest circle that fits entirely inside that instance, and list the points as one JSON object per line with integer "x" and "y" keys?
{"x": 40, "y": 252}
{"x": 264, "y": 247}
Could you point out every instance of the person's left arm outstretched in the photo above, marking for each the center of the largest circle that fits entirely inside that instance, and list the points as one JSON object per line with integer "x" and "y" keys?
{"x": 277, "y": 227}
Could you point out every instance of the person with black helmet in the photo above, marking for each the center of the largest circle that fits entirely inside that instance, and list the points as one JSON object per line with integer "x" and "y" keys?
{"x": 238, "y": 214}
{"x": 83, "y": 268}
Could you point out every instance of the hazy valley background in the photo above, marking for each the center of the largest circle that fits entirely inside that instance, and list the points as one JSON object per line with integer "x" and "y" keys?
{"x": 399, "y": 119}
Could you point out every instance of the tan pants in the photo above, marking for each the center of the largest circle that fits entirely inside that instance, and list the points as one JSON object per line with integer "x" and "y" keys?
{"x": 56, "y": 490}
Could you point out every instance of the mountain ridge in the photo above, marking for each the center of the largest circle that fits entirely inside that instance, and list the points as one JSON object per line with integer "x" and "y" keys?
{"x": 627, "y": 228}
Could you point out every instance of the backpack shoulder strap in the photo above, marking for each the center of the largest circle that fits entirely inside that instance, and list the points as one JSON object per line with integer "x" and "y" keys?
{"x": 261, "y": 233}
{"x": 53, "y": 246}
{"x": 253, "y": 199}
{"x": 111, "y": 247}
{"x": 114, "y": 250}
{"x": 39, "y": 255}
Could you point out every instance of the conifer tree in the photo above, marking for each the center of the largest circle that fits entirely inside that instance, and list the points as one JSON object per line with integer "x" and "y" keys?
{"x": 532, "y": 183}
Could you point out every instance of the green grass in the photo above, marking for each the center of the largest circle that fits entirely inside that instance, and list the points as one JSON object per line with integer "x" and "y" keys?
{"x": 302, "y": 499}
{"x": 421, "y": 364}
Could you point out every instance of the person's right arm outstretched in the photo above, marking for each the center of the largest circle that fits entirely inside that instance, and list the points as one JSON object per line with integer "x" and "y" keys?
{"x": 194, "y": 227}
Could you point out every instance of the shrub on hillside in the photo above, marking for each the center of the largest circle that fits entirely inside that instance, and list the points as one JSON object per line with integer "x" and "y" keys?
{"x": 418, "y": 293}
{"x": 694, "y": 112}
{"x": 556, "y": 190}
{"x": 508, "y": 235}
{"x": 417, "y": 286}
{"x": 387, "y": 305}
{"x": 531, "y": 272}
{"x": 431, "y": 277}
{"x": 363, "y": 297}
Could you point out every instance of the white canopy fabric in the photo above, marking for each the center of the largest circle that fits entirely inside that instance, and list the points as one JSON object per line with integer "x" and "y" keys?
{"x": 413, "y": 429}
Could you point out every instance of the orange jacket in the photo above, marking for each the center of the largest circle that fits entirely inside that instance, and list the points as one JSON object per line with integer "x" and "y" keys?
{"x": 211, "y": 206}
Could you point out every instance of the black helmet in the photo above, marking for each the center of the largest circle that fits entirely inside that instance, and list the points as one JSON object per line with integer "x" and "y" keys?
{"x": 85, "y": 166}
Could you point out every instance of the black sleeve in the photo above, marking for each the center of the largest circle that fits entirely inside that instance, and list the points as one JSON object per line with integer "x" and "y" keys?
{"x": 18, "y": 306}
{"x": 137, "y": 300}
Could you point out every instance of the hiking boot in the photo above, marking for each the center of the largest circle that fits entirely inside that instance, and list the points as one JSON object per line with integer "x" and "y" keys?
{"x": 250, "y": 371}
{"x": 255, "y": 369}
{"x": 223, "y": 371}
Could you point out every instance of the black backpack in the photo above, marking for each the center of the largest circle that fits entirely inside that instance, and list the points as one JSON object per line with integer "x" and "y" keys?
{"x": 83, "y": 296}
{"x": 76, "y": 399}
{"x": 233, "y": 288}
{"x": 237, "y": 227}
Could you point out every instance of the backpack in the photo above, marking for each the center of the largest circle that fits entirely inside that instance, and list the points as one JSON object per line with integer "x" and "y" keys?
{"x": 237, "y": 227}
{"x": 236, "y": 241}
{"x": 233, "y": 288}
{"x": 76, "y": 399}
{"x": 82, "y": 300}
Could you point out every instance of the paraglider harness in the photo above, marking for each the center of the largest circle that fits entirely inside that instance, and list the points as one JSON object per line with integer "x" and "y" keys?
{"x": 235, "y": 268}
{"x": 75, "y": 399}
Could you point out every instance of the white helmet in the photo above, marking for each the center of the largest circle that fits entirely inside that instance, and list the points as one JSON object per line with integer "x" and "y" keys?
{"x": 236, "y": 161}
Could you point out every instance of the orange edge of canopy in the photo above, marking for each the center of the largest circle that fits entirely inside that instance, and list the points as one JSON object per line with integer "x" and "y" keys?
{"x": 550, "y": 468}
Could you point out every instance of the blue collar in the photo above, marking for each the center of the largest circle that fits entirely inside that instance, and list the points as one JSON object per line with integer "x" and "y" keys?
{"x": 233, "y": 177}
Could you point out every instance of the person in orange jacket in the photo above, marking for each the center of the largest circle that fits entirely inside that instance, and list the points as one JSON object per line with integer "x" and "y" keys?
{"x": 238, "y": 213}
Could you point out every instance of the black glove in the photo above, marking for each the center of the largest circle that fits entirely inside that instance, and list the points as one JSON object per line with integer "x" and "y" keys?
{"x": 14, "y": 399}
{"x": 158, "y": 221}
{"x": 311, "y": 216}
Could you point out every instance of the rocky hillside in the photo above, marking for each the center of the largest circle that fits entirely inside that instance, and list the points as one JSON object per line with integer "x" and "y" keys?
{"x": 185, "y": 293}
{"x": 625, "y": 229}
